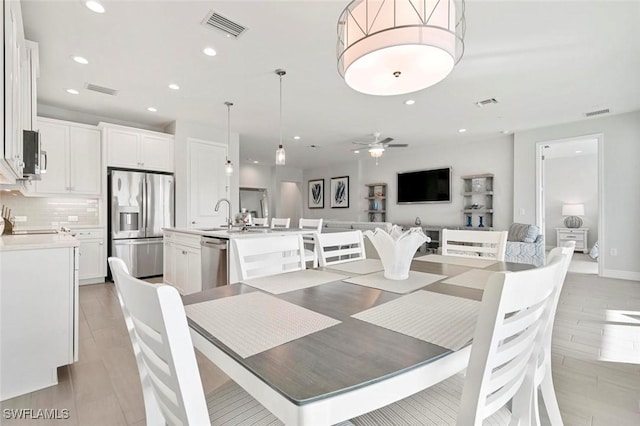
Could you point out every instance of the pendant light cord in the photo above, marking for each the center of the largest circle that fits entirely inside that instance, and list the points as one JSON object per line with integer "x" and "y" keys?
{"x": 280, "y": 110}
{"x": 228, "y": 128}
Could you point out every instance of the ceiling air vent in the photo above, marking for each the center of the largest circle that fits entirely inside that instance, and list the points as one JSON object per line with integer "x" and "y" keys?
{"x": 101, "y": 89}
{"x": 480, "y": 104}
{"x": 601, "y": 111}
{"x": 226, "y": 25}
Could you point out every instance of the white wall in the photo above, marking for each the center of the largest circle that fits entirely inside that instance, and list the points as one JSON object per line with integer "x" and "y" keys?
{"x": 184, "y": 130}
{"x": 572, "y": 180}
{"x": 621, "y": 184}
{"x": 493, "y": 156}
{"x": 271, "y": 178}
{"x": 290, "y": 202}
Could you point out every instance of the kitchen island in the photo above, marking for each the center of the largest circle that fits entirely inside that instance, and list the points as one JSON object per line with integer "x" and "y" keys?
{"x": 38, "y": 310}
{"x": 187, "y": 266}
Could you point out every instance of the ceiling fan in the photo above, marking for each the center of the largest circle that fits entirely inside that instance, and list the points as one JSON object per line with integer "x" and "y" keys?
{"x": 377, "y": 147}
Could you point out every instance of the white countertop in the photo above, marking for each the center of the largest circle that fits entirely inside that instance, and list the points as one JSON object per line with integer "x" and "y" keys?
{"x": 36, "y": 241}
{"x": 236, "y": 233}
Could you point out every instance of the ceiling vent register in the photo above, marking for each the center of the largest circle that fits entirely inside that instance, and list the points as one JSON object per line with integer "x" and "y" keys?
{"x": 100, "y": 89}
{"x": 226, "y": 25}
{"x": 491, "y": 101}
{"x": 601, "y": 111}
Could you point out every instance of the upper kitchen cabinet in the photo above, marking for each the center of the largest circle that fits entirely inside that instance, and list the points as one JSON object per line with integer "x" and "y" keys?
{"x": 132, "y": 148}
{"x": 18, "y": 91}
{"x": 73, "y": 153}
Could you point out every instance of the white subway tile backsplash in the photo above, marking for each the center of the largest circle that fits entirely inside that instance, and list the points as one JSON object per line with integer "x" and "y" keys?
{"x": 50, "y": 212}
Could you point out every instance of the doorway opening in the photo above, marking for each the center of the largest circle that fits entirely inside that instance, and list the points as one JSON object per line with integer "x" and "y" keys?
{"x": 569, "y": 198}
{"x": 290, "y": 203}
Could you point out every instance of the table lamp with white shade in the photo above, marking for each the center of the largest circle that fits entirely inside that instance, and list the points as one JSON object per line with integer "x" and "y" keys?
{"x": 573, "y": 213}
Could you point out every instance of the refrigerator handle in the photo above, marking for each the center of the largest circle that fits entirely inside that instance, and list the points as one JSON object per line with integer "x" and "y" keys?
{"x": 145, "y": 206}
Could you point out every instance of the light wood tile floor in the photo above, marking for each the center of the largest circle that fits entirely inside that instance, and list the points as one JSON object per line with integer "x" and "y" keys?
{"x": 596, "y": 360}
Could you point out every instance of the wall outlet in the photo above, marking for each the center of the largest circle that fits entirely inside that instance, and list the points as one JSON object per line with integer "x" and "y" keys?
{"x": 20, "y": 218}
{"x": 613, "y": 252}
{"x": 522, "y": 211}
{"x": 72, "y": 218}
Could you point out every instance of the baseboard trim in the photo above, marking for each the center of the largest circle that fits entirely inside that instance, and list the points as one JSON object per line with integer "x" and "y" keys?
{"x": 91, "y": 281}
{"x": 622, "y": 275}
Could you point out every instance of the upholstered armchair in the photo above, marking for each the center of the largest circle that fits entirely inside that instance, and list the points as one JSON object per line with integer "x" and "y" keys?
{"x": 525, "y": 252}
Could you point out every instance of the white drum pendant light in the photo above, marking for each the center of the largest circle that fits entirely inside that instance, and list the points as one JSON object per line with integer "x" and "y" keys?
{"x": 228, "y": 165}
{"x": 393, "y": 47}
{"x": 281, "y": 155}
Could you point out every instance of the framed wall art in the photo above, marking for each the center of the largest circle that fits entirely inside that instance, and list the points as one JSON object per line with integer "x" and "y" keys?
{"x": 316, "y": 194}
{"x": 339, "y": 192}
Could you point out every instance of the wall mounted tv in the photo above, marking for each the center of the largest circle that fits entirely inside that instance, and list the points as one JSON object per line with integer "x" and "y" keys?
{"x": 425, "y": 186}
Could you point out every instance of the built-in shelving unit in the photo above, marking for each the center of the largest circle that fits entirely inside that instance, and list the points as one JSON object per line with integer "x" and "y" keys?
{"x": 376, "y": 202}
{"x": 477, "y": 193}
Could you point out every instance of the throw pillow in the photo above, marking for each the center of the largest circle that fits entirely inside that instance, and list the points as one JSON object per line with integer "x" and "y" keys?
{"x": 517, "y": 232}
{"x": 532, "y": 234}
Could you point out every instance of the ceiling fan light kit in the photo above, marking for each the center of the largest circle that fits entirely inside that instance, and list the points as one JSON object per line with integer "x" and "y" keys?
{"x": 401, "y": 46}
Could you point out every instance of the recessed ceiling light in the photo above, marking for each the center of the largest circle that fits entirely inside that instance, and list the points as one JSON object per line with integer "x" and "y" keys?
{"x": 255, "y": 161}
{"x": 462, "y": 130}
{"x": 297, "y": 138}
{"x": 209, "y": 51}
{"x": 578, "y": 151}
{"x": 152, "y": 109}
{"x": 409, "y": 102}
{"x": 73, "y": 91}
{"x": 174, "y": 86}
{"x": 94, "y": 6}
{"x": 80, "y": 60}
{"x": 356, "y": 151}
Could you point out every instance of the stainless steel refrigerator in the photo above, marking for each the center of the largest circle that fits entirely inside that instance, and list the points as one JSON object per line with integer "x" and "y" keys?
{"x": 140, "y": 205}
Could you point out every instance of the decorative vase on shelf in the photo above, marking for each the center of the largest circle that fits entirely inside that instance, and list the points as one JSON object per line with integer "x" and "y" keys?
{"x": 375, "y": 205}
{"x": 396, "y": 249}
{"x": 477, "y": 185}
{"x": 481, "y": 224}
{"x": 469, "y": 223}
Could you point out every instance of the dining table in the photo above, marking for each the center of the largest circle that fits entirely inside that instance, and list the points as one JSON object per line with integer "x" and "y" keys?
{"x": 351, "y": 366}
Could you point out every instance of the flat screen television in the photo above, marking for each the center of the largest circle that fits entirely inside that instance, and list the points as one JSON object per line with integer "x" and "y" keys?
{"x": 425, "y": 186}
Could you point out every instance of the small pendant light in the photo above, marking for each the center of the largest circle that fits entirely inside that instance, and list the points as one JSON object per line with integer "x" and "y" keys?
{"x": 228, "y": 166}
{"x": 281, "y": 155}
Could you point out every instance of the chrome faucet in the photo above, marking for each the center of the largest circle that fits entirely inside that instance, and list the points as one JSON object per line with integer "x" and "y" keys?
{"x": 217, "y": 207}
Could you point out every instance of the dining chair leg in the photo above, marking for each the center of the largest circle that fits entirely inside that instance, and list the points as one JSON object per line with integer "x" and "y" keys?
{"x": 550, "y": 401}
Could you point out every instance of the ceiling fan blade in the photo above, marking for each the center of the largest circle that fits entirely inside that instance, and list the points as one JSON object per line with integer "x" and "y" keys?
{"x": 385, "y": 140}
{"x": 362, "y": 143}
{"x": 396, "y": 145}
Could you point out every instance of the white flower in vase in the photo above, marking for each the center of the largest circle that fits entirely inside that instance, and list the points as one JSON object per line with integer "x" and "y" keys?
{"x": 396, "y": 249}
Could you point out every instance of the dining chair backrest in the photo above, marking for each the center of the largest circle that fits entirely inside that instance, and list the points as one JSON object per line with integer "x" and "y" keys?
{"x": 157, "y": 323}
{"x": 269, "y": 255}
{"x": 543, "y": 376}
{"x": 311, "y": 253}
{"x": 465, "y": 243}
{"x": 514, "y": 311}
{"x": 261, "y": 221}
{"x": 339, "y": 247}
{"x": 280, "y": 222}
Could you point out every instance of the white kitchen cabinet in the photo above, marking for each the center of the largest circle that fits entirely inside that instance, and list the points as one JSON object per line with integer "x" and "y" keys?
{"x": 138, "y": 149}
{"x": 38, "y": 312}
{"x": 182, "y": 264}
{"x": 30, "y": 73}
{"x": 11, "y": 163}
{"x": 73, "y": 158}
{"x": 207, "y": 183}
{"x": 92, "y": 260}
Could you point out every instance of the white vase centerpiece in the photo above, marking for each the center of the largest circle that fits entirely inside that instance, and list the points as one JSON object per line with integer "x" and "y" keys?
{"x": 396, "y": 249}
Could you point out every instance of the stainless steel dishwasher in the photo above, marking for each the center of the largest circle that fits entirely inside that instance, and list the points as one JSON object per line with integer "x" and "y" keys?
{"x": 215, "y": 261}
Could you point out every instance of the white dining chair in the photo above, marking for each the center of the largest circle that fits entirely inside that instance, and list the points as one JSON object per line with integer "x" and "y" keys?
{"x": 269, "y": 255}
{"x": 543, "y": 376}
{"x": 339, "y": 247}
{"x": 280, "y": 222}
{"x": 310, "y": 252}
{"x": 171, "y": 385}
{"x": 261, "y": 221}
{"x": 510, "y": 330}
{"x": 465, "y": 243}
